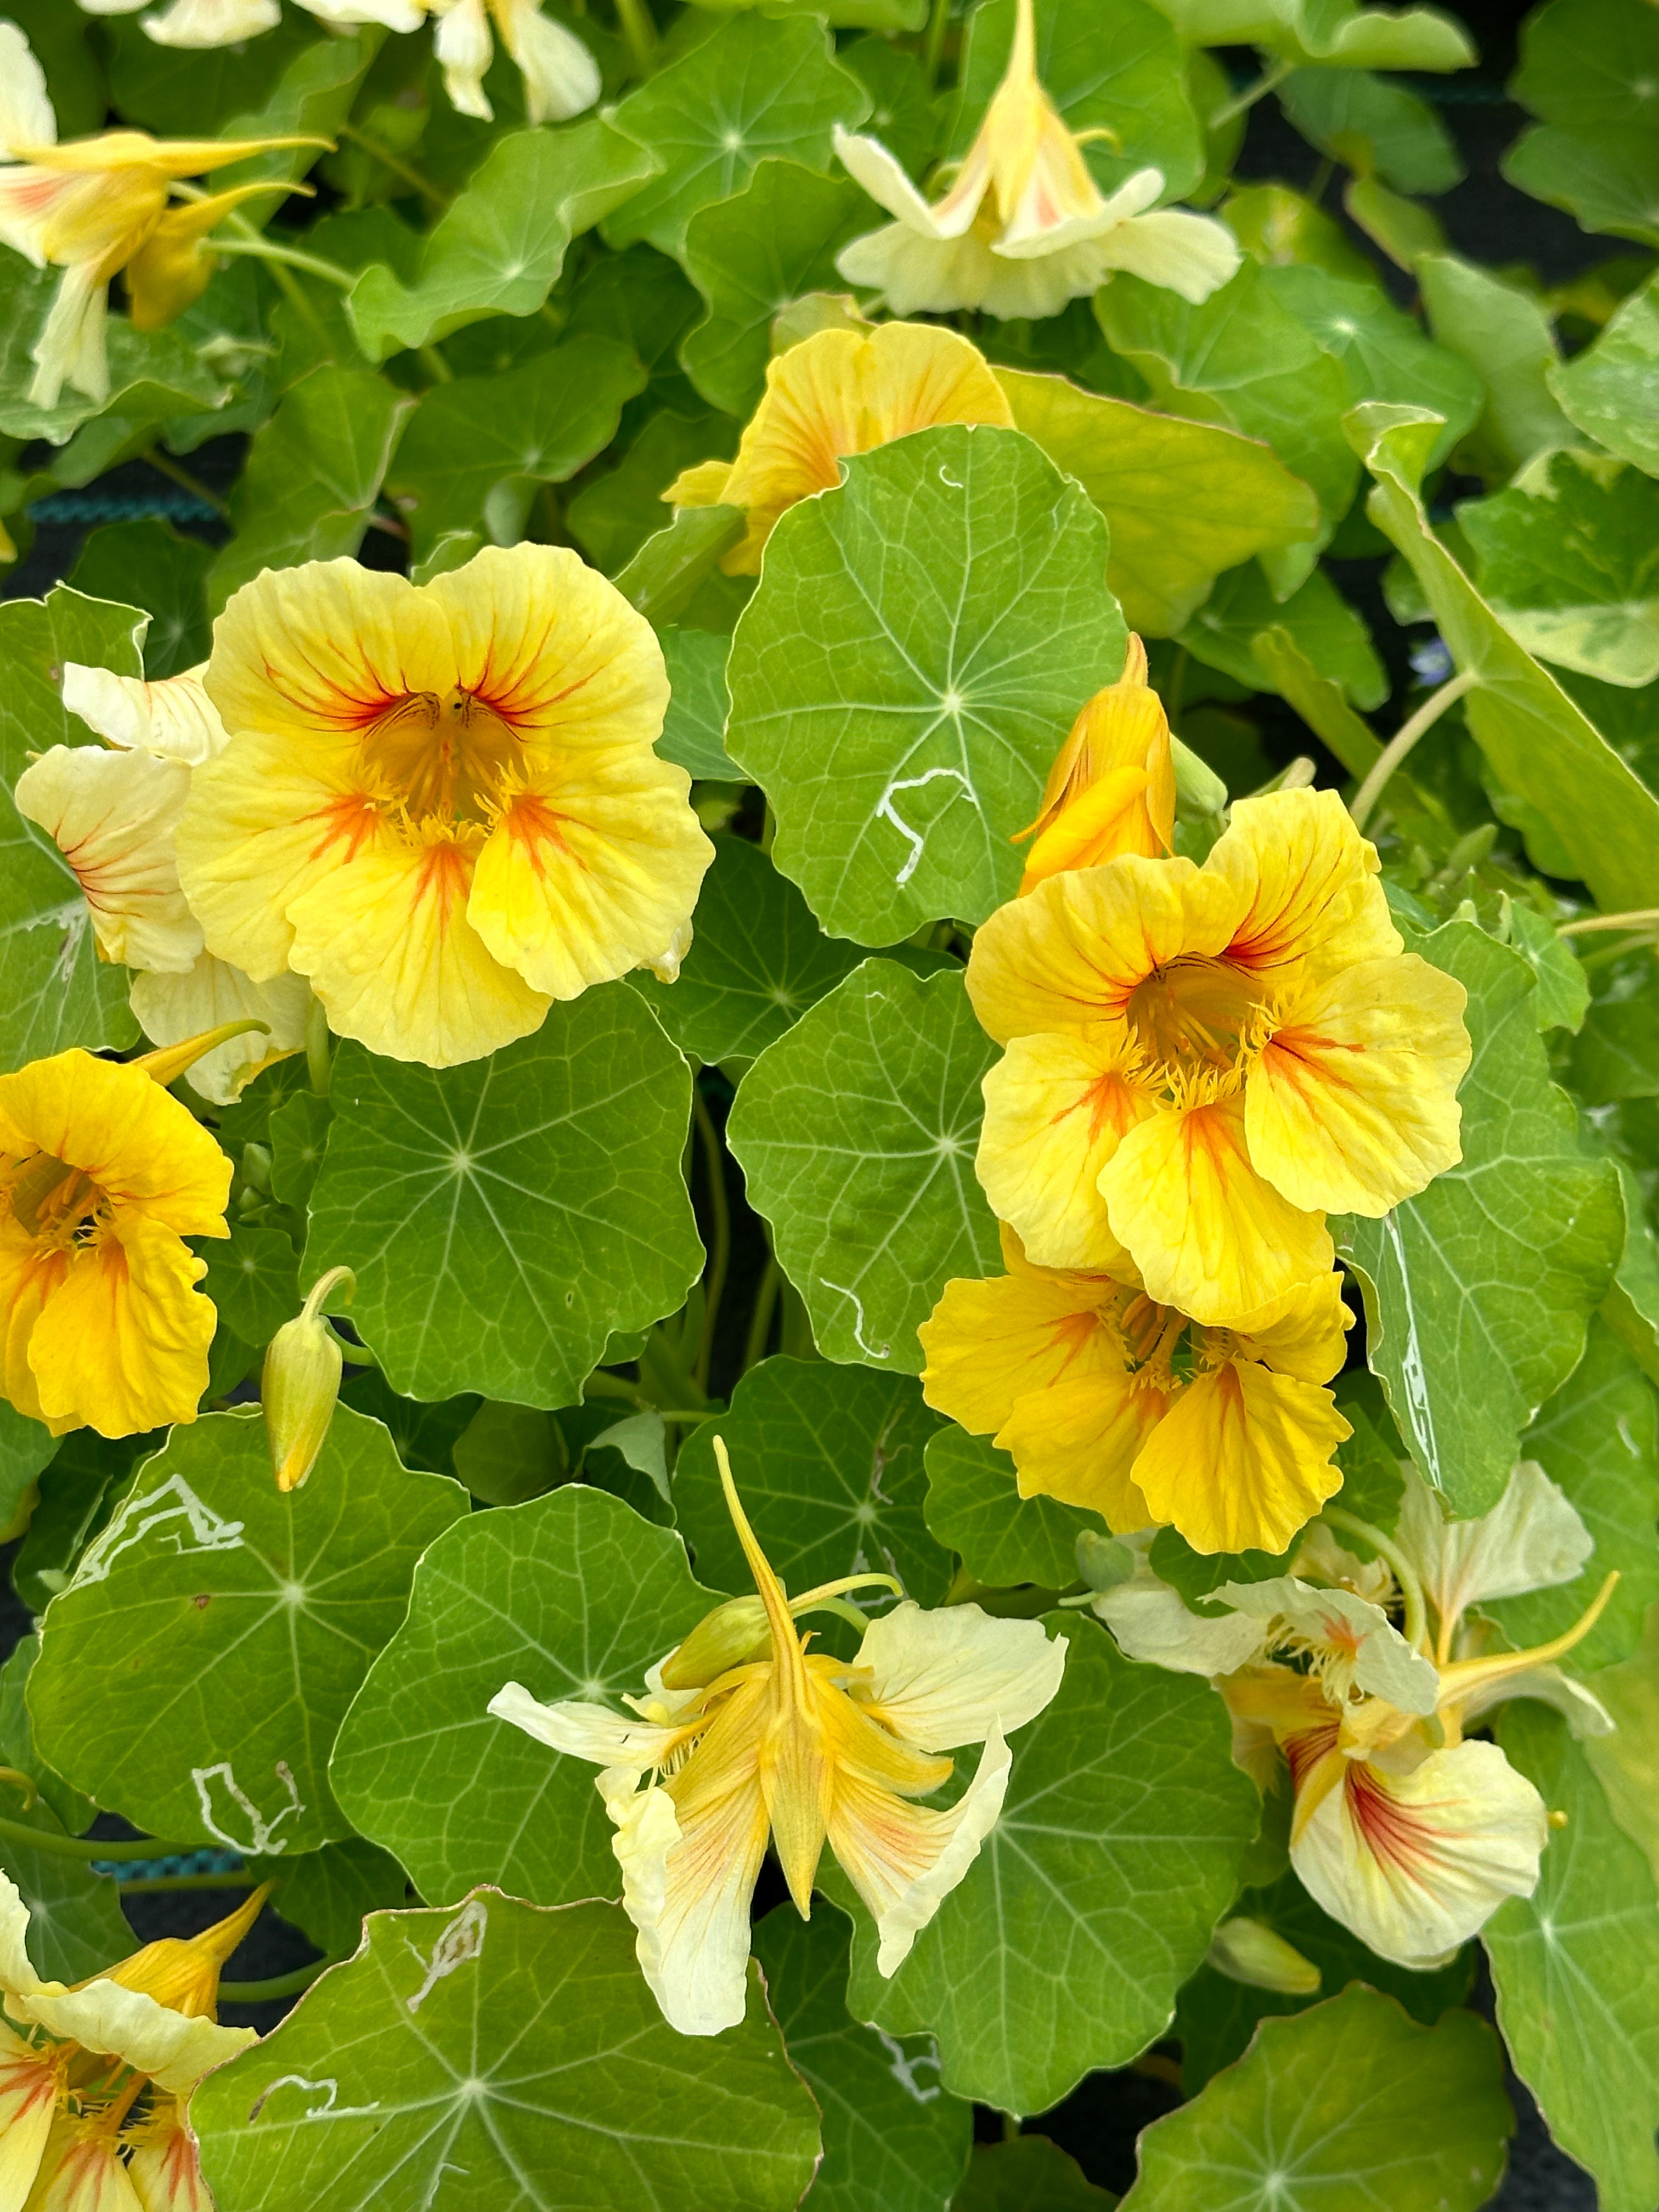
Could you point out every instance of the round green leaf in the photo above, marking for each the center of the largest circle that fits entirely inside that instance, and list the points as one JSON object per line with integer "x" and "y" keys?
{"x": 1339, "y": 2109}
{"x": 829, "y": 1466}
{"x": 504, "y": 1217}
{"x": 974, "y": 1507}
{"x": 254, "y": 1281}
{"x": 194, "y": 1673}
{"x": 1576, "y": 1966}
{"x": 499, "y": 2055}
{"x": 758, "y": 86}
{"x": 857, "y": 1133}
{"x": 1183, "y": 500}
{"x": 572, "y": 1594}
{"x": 694, "y": 728}
{"x": 757, "y": 961}
{"x": 1607, "y": 390}
{"x": 1478, "y": 1292}
{"x": 894, "y": 2141}
{"x": 918, "y": 647}
{"x": 1093, "y": 1897}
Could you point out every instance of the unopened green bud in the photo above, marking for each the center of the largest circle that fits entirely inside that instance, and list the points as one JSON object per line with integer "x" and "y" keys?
{"x": 1102, "y": 1561}
{"x": 301, "y": 1382}
{"x": 1199, "y": 791}
{"x": 1249, "y": 1951}
{"x": 733, "y": 1634}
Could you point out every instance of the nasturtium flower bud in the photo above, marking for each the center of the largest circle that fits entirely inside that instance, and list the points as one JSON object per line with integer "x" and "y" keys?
{"x": 300, "y": 1383}
{"x": 1248, "y": 1951}
{"x": 733, "y": 1634}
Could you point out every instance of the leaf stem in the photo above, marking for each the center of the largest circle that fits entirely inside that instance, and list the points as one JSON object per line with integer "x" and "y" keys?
{"x": 719, "y": 1260}
{"x": 1638, "y": 916}
{"x": 87, "y": 1847}
{"x": 286, "y": 257}
{"x": 164, "y": 465}
{"x": 760, "y": 1321}
{"x": 640, "y": 31}
{"x": 1405, "y": 738}
{"x": 388, "y": 159}
{"x": 1246, "y": 100}
{"x": 282, "y": 1986}
{"x": 939, "y": 22}
{"x": 1410, "y": 1589}
{"x": 320, "y": 1062}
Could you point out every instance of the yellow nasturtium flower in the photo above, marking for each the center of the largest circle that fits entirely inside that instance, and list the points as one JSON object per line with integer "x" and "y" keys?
{"x": 1201, "y": 1062}
{"x": 102, "y": 1177}
{"x": 810, "y": 1749}
{"x": 1109, "y": 1401}
{"x": 92, "y": 2076}
{"x": 1024, "y": 227}
{"x": 837, "y": 393}
{"x": 560, "y": 77}
{"x": 113, "y": 816}
{"x": 97, "y": 207}
{"x": 440, "y": 802}
{"x": 1112, "y": 788}
{"x": 1403, "y": 1828}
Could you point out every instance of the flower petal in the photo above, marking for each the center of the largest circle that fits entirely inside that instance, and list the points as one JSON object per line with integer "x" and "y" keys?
{"x": 170, "y": 1008}
{"x": 1209, "y": 1235}
{"x": 387, "y": 941}
{"x": 904, "y": 1860}
{"x": 1070, "y": 954}
{"x": 560, "y": 77}
{"x": 173, "y": 2049}
{"x": 125, "y": 1132}
{"x": 173, "y": 717}
{"x": 1311, "y": 903}
{"x": 203, "y": 23}
{"x": 954, "y": 1675}
{"x": 114, "y": 817}
{"x": 1351, "y": 1105}
{"x": 988, "y": 1343}
{"x": 122, "y": 1342}
{"x": 25, "y": 112}
{"x": 1415, "y": 1864}
{"x": 690, "y": 1854}
{"x": 1191, "y": 254}
{"x": 28, "y": 2098}
{"x": 83, "y": 2170}
{"x": 1380, "y": 1661}
{"x": 917, "y": 273}
{"x": 1056, "y": 1108}
{"x": 868, "y": 162}
{"x": 1150, "y": 1621}
{"x": 593, "y": 870}
{"x": 1533, "y": 1539}
{"x": 165, "y": 2171}
{"x": 587, "y": 1731}
{"x": 1078, "y": 1441}
{"x": 18, "y": 1974}
{"x": 1243, "y": 1460}
{"x": 1302, "y": 1333}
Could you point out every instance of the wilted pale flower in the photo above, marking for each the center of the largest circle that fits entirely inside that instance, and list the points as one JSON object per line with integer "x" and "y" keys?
{"x": 112, "y": 815}
{"x": 1403, "y": 1829}
{"x": 440, "y": 802}
{"x": 198, "y": 23}
{"x": 1109, "y": 1401}
{"x": 805, "y": 1748}
{"x": 1201, "y": 1062}
{"x": 1024, "y": 227}
{"x": 560, "y": 77}
{"x": 92, "y": 2077}
{"x": 98, "y": 207}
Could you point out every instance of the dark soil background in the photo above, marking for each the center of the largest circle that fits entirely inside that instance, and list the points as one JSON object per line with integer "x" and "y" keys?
{"x": 1485, "y": 219}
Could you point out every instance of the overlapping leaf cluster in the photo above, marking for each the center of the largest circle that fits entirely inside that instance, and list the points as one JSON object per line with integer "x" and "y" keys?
{"x": 726, "y": 1203}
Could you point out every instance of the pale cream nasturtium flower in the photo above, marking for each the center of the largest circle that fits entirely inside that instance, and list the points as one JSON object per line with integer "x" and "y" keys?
{"x": 97, "y": 208}
{"x": 560, "y": 77}
{"x": 93, "y": 2078}
{"x": 1404, "y": 1828}
{"x": 1023, "y": 227}
{"x": 113, "y": 814}
{"x": 742, "y": 1731}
